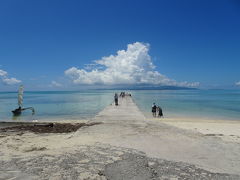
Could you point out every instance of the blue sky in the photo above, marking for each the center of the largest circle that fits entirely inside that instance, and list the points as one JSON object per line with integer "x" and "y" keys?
{"x": 194, "y": 41}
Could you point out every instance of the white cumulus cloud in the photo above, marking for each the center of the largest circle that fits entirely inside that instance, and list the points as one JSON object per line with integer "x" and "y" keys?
{"x": 6, "y": 80}
{"x": 3, "y": 73}
{"x": 10, "y": 81}
{"x": 131, "y": 66}
{"x": 55, "y": 84}
{"x": 237, "y": 83}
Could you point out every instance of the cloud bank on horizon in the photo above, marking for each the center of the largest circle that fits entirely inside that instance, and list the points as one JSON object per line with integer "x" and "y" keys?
{"x": 6, "y": 80}
{"x": 131, "y": 66}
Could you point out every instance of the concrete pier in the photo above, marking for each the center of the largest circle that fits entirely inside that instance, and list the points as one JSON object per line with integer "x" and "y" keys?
{"x": 126, "y": 112}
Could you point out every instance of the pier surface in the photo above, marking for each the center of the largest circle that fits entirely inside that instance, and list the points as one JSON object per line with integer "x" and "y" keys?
{"x": 126, "y": 111}
{"x": 125, "y": 146}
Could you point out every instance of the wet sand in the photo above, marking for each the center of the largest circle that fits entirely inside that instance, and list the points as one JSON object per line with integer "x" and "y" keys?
{"x": 125, "y": 145}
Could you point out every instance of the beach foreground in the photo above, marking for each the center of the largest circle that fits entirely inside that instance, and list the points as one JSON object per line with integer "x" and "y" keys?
{"x": 125, "y": 145}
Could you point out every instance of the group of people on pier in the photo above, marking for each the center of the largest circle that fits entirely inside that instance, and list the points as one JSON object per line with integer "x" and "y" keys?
{"x": 122, "y": 95}
{"x": 156, "y": 111}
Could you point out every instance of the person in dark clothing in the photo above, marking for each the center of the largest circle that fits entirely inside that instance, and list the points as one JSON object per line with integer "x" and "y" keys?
{"x": 154, "y": 109}
{"x": 160, "y": 113}
{"x": 116, "y": 99}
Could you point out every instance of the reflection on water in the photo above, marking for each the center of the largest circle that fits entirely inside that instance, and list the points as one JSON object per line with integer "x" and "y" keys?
{"x": 16, "y": 117}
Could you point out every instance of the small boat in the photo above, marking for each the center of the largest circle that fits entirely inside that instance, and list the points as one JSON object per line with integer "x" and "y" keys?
{"x": 19, "y": 110}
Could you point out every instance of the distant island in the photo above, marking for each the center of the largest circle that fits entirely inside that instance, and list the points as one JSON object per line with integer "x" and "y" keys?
{"x": 136, "y": 87}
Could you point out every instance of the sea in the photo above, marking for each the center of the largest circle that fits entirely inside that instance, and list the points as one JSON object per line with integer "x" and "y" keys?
{"x": 84, "y": 105}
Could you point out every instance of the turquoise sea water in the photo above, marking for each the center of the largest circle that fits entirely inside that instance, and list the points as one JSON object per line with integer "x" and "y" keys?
{"x": 217, "y": 104}
{"x": 58, "y": 105}
{"x": 206, "y": 104}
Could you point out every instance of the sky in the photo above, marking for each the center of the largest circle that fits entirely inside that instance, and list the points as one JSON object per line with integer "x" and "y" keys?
{"x": 73, "y": 44}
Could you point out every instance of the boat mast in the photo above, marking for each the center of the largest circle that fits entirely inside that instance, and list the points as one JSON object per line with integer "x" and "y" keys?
{"x": 20, "y": 96}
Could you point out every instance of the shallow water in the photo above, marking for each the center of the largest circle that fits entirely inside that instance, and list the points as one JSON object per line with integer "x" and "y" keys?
{"x": 57, "y": 105}
{"x": 61, "y": 105}
{"x": 209, "y": 104}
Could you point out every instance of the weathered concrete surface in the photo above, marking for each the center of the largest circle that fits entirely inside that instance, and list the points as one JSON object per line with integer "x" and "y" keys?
{"x": 140, "y": 167}
{"x": 103, "y": 162}
{"x": 125, "y": 146}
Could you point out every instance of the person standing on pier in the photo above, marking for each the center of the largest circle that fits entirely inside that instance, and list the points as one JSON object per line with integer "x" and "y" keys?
{"x": 116, "y": 99}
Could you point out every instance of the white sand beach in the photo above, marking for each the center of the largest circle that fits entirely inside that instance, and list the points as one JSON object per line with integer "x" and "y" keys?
{"x": 227, "y": 130}
{"x": 156, "y": 148}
